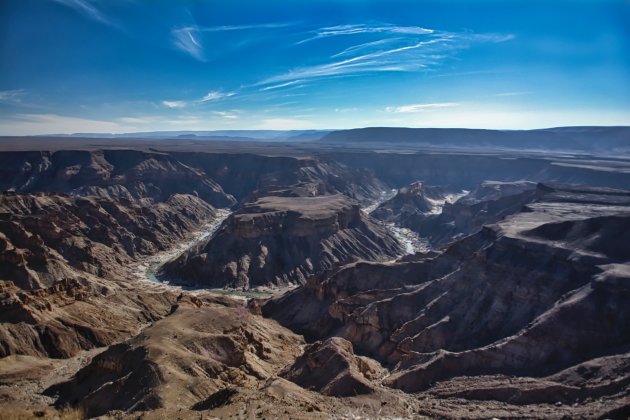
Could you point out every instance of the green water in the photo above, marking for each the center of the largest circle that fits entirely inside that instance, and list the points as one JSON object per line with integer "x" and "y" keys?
{"x": 247, "y": 294}
{"x": 150, "y": 274}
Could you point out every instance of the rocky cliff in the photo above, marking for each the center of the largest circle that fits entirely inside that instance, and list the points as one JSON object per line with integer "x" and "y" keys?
{"x": 522, "y": 313}
{"x": 413, "y": 200}
{"x": 64, "y": 268}
{"x": 49, "y": 237}
{"x": 281, "y": 240}
{"x": 205, "y": 346}
{"x": 488, "y": 203}
{"x": 497, "y": 302}
{"x": 127, "y": 174}
{"x": 248, "y": 176}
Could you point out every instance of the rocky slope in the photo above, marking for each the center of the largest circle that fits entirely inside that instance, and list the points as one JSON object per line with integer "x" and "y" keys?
{"x": 414, "y": 200}
{"x": 330, "y": 367}
{"x": 206, "y": 346}
{"x": 211, "y": 357}
{"x": 64, "y": 268}
{"x": 282, "y": 240}
{"x": 49, "y": 237}
{"x": 248, "y": 176}
{"x": 497, "y": 302}
{"x": 74, "y": 315}
{"x": 128, "y": 174}
{"x": 490, "y": 202}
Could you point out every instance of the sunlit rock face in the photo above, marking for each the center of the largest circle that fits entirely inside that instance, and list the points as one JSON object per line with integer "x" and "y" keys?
{"x": 497, "y": 302}
{"x": 414, "y": 199}
{"x": 49, "y": 237}
{"x": 129, "y": 174}
{"x": 280, "y": 240}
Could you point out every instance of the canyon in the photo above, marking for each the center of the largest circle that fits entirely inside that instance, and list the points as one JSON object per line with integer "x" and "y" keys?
{"x": 363, "y": 274}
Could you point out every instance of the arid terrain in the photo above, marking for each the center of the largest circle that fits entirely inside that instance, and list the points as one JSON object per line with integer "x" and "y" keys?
{"x": 363, "y": 274}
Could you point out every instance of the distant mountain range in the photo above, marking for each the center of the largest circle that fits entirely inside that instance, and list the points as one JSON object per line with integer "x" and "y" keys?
{"x": 596, "y": 139}
{"x": 570, "y": 139}
{"x": 224, "y": 135}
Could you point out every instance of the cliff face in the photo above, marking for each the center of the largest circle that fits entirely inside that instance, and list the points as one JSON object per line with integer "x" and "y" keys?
{"x": 523, "y": 313}
{"x": 248, "y": 176}
{"x": 490, "y": 202}
{"x": 497, "y": 302}
{"x": 75, "y": 314}
{"x": 50, "y": 237}
{"x": 415, "y": 200}
{"x": 64, "y": 279}
{"x": 280, "y": 240}
{"x": 206, "y": 346}
{"x": 128, "y": 174}
{"x": 440, "y": 217}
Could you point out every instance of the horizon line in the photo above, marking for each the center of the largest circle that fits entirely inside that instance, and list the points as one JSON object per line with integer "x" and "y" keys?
{"x": 78, "y": 134}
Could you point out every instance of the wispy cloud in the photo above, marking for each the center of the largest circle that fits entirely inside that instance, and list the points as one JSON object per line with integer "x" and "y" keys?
{"x": 281, "y": 85}
{"x": 174, "y": 104}
{"x": 212, "y": 96}
{"x": 226, "y": 115}
{"x": 397, "y": 49}
{"x": 12, "y": 96}
{"x": 390, "y": 60}
{"x": 356, "y": 29}
{"x": 188, "y": 40}
{"x": 216, "y": 95}
{"x": 227, "y": 28}
{"x": 512, "y": 93}
{"x": 378, "y": 48}
{"x": 86, "y": 8}
{"x": 406, "y": 109}
{"x": 367, "y": 46}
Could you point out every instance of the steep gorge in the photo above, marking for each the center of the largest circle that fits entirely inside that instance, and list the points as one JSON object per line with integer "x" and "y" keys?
{"x": 493, "y": 303}
{"x": 473, "y": 326}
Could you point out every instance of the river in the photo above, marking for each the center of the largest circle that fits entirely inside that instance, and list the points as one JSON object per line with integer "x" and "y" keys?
{"x": 146, "y": 268}
{"x": 411, "y": 241}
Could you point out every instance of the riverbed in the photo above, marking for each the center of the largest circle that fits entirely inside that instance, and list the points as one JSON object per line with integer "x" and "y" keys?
{"x": 410, "y": 240}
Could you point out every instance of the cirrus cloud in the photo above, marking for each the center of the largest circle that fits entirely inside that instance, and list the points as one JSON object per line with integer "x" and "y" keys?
{"x": 407, "y": 109}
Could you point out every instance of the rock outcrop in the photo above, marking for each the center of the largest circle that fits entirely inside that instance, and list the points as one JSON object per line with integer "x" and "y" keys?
{"x": 490, "y": 202}
{"x": 128, "y": 174}
{"x": 282, "y": 240}
{"x": 65, "y": 283}
{"x": 73, "y": 315}
{"x": 441, "y": 217}
{"x": 45, "y": 238}
{"x": 495, "y": 190}
{"x": 416, "y": 199}
{"x": 330, "y": 367}
{"x": 205, "y": 346}
{"x": 536, "y": 293}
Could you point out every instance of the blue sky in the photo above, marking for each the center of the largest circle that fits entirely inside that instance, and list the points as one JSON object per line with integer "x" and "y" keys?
{"x": 133, "y": 65}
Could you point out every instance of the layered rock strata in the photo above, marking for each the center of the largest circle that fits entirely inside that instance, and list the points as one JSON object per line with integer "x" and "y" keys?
{"x": 282, "y": 240}
{"x": 45, "y": 238}
{"x": 538, "y": 292}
